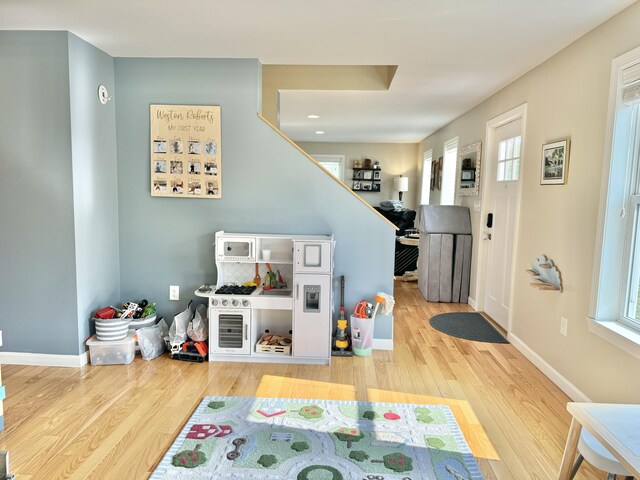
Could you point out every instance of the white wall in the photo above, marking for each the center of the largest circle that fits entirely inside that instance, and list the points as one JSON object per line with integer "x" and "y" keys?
{"x": 567, "y": 96}
{"x": 395, "y": 159}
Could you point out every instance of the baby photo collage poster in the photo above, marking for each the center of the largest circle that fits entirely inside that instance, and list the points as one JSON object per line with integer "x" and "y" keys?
{"x": 185, "y": 151}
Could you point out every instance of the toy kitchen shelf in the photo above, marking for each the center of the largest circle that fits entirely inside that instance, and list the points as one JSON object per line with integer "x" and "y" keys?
{"x": 366, "y": 179}
{"x": 300, "y": 311}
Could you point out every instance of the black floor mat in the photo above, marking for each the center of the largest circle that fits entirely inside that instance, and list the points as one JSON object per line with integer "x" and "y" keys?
{"x": 467, "y": 325}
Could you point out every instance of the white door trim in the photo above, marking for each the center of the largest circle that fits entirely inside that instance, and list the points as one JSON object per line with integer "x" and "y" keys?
{"x": 519, "y": 112}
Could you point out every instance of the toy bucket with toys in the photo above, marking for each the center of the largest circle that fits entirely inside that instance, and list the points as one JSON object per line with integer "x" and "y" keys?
{"x": 363, "y": 321}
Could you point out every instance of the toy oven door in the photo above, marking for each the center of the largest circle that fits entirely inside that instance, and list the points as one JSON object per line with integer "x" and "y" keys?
{"x": 229, "y": 331}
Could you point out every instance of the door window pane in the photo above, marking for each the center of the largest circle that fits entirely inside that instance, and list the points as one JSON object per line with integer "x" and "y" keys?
{"x": 502, "y": 151}
{"x": 509, "y": 148}
{"x": 509, "y": 159}
{"x": 516, "y": 146}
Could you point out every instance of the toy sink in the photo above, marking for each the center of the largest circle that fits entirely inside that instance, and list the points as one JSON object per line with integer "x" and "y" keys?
{"x": 275, "y": 291}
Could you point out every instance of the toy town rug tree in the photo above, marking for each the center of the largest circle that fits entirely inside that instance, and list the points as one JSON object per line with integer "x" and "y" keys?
{"x": 269, "y": 439}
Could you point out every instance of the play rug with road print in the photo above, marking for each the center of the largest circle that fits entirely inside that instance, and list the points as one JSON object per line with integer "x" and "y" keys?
{"x": 269, "y": 439}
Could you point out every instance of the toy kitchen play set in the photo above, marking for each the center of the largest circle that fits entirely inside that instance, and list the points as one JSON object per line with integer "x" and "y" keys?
{"x": 273, "y": 298}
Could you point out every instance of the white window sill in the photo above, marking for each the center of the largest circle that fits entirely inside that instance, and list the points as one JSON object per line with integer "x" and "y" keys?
{"x": 618, "y": 334}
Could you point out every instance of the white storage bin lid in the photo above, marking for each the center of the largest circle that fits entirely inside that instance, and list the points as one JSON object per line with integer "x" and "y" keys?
{"x": 131, "y": 338}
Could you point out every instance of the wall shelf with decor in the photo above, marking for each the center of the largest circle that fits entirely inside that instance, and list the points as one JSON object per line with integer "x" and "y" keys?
{"x": 366, "y": 179}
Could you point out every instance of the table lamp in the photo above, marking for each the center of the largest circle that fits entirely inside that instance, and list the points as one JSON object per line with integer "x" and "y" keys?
{"x": 401, "y": 185}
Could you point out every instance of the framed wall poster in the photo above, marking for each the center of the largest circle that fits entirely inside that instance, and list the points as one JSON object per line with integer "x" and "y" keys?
{"x": 185, "y": 151}
{"x": 434, "y": 169}
{"x": 555, "y": 163}
{"x": 439, "y": 174}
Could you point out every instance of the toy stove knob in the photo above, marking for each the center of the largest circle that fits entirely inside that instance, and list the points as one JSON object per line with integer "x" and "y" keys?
{"x": 224, "y": 302}
{"x": 235, "y": 302}
{"x": 214, "y": 302}
{"x": 245, "y": 303}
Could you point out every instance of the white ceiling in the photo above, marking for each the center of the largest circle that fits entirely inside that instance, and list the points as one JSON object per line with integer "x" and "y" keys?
{"x": 451, "y": 54}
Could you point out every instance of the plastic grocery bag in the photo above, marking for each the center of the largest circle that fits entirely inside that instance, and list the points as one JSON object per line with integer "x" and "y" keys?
{"x": 164, "y": 328}
{"x": 198, "y": 329}
{"x": 178, "y": 329}
{"x": 150, "y": 342}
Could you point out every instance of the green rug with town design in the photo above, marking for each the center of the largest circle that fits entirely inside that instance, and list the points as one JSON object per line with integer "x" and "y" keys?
{"x": 269, "y": 438}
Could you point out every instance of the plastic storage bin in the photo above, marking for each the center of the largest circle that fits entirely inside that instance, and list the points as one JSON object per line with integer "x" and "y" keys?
{"x": 113, "y": 352}
{"x": 361, "y": 335}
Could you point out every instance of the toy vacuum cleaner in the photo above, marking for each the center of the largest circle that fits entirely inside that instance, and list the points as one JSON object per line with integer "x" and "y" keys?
{"x": 362, "y": 322}
{"x": 341, "y": 346}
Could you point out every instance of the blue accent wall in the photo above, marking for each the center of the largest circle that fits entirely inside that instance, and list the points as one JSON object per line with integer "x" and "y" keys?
{"x": 37, "y": 243}
{"x": 95, "y": 182}
{"x": 80, "y": 229}
{"x": 268, "y": 187}
{"x": 58, "y": 191}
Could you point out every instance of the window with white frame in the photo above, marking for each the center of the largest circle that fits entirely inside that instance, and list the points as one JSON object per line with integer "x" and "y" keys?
{"x": 425, "y": 191}
{"x": 448, "y": 190}
{"x": 333, "y": 163}
{"x": 509, "y": 159}
{"x": 617, "y": 275}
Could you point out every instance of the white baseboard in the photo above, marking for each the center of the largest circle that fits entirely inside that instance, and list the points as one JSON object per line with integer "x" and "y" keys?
{"x": 44, "y": 359}
{"x": 551, "y": 373}
{"x": 472, "y": 303}
{"x": 383, "y": 343}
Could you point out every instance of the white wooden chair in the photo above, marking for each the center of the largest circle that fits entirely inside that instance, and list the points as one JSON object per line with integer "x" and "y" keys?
{"x": 591, "y": 450}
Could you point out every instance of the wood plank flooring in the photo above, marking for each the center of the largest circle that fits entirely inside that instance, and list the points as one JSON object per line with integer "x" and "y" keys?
{"x": 116, "y": 422}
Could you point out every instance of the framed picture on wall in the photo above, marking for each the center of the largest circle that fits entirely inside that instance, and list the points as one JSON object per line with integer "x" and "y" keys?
{"x": 185, "y": 151}
{"x": 434, "y": 169}
{"x": 555, "y": 163}
{"x": 439, "y": 174}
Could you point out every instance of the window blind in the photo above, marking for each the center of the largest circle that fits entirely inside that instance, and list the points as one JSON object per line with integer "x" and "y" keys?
{"x": 631, "y": 84}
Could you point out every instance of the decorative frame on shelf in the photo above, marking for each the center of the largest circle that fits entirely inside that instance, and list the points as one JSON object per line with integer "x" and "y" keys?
{"x": 555, "y": 163}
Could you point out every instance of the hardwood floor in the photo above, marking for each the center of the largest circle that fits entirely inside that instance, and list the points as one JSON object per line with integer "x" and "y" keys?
{"x": 116, "y": 422}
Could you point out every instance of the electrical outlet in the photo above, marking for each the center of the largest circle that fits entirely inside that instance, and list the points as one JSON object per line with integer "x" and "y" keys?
{"x": 563, "y": 326}
{"x": 174, "y": 292}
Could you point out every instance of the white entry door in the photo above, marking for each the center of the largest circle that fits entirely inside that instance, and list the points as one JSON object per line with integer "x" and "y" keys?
{"x": 499, "y": 225}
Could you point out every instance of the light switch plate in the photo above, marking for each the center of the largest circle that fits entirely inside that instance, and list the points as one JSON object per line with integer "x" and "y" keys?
{"x": 476, "y": 206}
